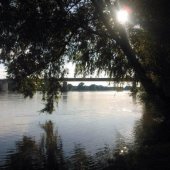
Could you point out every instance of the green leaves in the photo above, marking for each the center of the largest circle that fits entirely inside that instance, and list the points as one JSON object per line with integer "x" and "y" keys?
{"x": 38, "y": 37}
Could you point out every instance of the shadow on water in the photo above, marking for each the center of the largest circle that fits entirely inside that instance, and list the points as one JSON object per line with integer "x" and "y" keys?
{"x": 32, "y": 155}
{"x": 151, "y": 150}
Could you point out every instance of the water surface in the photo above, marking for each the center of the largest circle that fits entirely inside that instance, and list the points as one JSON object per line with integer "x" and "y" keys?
{"x": 86, "y": 121}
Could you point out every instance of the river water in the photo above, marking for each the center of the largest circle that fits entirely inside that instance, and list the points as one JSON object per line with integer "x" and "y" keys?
{"x": 84, "y": 123}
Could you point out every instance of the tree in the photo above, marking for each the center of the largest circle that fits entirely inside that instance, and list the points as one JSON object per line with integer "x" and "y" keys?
{"x": 38, "y": 37}
{"x": 80, "y": 86}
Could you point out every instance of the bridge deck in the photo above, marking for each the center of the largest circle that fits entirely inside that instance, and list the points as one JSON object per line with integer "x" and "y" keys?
{"x": 95, "y": 79}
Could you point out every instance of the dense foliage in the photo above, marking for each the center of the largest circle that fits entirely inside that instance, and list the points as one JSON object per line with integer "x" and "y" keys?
{"x": 38, "y": 37}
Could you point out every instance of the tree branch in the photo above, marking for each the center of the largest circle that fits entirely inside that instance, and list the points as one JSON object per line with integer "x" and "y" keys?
{"x": 123, "y": 42}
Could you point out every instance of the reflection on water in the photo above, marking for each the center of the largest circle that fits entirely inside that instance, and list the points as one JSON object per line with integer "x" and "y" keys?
{"x": 64, "y": 140}
{"x": 47, "y": 154}
{"x": 91, "y": 119}
{"x": 150, "y": 152}
{"x": 30, "y": 155}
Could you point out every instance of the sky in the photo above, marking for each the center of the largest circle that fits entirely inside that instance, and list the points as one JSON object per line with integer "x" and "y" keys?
{"x": 2, "y": 72}
{"x": 70, "y": 67}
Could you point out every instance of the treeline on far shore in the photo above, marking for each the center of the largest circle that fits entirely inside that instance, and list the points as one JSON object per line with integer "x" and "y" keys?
{"x": 94, "y": 87}
{"x": 12, "y": 86}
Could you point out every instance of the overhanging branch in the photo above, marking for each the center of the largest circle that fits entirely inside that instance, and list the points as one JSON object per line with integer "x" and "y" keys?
{"x": 123, "y": 43}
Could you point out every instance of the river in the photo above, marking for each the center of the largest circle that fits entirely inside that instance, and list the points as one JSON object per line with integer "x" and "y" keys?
{"x": 86, "y": 122}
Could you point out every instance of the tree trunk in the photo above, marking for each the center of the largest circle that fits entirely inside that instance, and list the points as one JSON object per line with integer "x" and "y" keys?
{"x": 123, "y": 42}
{"x": 146, "y": 82}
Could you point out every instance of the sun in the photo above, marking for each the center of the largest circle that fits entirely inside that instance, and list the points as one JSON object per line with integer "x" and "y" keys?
{"x": 122, "y": 16}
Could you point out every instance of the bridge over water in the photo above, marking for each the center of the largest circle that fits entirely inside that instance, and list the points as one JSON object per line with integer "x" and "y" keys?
{"x": 4, "y": 83}
{"x": 96, "y": 79}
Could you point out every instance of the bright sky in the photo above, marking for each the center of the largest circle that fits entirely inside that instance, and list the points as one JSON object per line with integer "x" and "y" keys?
{"x": 2, "y": 72}
{"x": 70, "y": 67}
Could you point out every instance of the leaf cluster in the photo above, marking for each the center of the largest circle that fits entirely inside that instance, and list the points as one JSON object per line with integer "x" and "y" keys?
{"x": 37, "y": 39}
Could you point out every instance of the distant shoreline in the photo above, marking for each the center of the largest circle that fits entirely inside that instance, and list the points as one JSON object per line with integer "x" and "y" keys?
{"x": 93, "y": 87}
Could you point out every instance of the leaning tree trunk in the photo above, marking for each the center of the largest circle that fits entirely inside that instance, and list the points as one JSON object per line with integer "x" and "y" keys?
{"x": 149, "y": 86}
{"x": 123, "y": 42}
